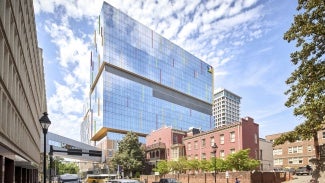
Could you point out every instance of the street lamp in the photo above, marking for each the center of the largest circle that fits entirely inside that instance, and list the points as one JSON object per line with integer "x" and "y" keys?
{"x": 45, "y": 123}
{"x": 215, "y": 147}
{"x": 51, "y": 164}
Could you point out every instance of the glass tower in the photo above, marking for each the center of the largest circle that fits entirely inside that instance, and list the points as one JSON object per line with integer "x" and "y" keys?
{"x": 141, "y": 81}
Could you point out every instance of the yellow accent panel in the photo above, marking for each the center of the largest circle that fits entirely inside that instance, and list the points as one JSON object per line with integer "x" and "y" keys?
{"x": 103, "y": 132}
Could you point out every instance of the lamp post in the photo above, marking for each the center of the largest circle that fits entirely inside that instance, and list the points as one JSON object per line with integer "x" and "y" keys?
{"x": 215, "y": 147}
{"x": 45, "y": 123}
{"x": 51, "y": 164}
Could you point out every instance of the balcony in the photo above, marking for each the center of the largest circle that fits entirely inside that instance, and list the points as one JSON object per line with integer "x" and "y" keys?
{"x": 155, "y": 146}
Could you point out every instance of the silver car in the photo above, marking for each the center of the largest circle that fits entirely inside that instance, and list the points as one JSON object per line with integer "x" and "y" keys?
{"x": 124, "y": 181}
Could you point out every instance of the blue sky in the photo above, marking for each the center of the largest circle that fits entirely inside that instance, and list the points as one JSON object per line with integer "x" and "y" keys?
{"x": 241, "y": 39}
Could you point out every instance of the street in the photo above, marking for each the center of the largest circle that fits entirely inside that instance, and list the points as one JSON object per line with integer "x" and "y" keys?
{"x": 300, "y": 179}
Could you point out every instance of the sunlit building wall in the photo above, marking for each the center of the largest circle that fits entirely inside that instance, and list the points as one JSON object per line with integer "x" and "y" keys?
{"x": 22, "y": 93}
{"x": 226, "y": 108}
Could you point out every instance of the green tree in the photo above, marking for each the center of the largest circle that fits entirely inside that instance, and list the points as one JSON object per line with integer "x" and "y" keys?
{"x": 307, "y": 81}
{"x": 240, "y": 161}
{"x": 204, "y": 165}
{"x": 179, "y": 166}
{"x": 67, "y": 167}
{"x": 130, "y": 155}
{"x": 162, "y": 167}
{"x": 193, "y": 165}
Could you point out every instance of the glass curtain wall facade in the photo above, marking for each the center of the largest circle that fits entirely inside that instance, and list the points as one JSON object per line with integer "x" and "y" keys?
{"x": 141, "y": 81}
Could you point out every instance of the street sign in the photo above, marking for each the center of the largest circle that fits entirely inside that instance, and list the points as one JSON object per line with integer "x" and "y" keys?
{"x": 95, "y": 153}
{"x": 76, "y": 152}
{"x": 227, "y": 174}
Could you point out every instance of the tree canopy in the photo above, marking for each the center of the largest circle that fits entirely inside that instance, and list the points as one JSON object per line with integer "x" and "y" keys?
{"x": 162, "y": 167}
{"x": 240, "y": 161}
{"x": 130, "y": 154}
{"x": 307, "y": 81}
{"x": 62, "y": 167}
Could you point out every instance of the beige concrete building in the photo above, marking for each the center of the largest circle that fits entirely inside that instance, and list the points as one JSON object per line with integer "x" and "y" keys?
{"x": 22, "y": 92}
{"x": 266, "y": 155}
{"x": 295, "y": 154}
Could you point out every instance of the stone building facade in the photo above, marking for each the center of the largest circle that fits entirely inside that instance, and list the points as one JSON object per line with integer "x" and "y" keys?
{"x": 22, "y": 92}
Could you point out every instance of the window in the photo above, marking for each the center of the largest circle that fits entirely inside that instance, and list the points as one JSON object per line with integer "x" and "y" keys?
{"x": 232, "y": 136}
{"x": 295, "y": 160}
{"x": 212, "y": 154}
{"x": 309, "y": 148}
{"x": 255, "y": 137}
{"x": 232, "y": 151}
{"x": 278, "y": 162}
{"x": 203, "y": 156}
{"x": 323, "y": 135}
{"x": 295, "y": 149}
{"x": 189, "y": 146}
{"x": 211, "y": 141}
{"x": 222, "y": 139}
{"x": 196, "y": 156}
{"x": 222, "y": 154}
{"x": 277, "y": 151}
{"x": 195, "y": 145}
{"x": 203, "y": 143}
{"x": 174, "y": 154}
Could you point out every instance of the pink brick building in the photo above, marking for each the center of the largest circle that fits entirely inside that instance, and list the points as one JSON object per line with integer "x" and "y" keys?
{"x": 229, "y": 139}
{"x": 170, "y": 144}
{"x": 164, "y": 144}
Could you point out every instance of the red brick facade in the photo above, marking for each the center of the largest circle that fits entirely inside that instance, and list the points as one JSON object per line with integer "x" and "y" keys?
{"x": 229, "y": 139}
{"x": 170, "y": 144}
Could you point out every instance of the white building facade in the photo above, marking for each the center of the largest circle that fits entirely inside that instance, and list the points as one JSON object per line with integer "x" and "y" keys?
{"x": 225, "y": 108}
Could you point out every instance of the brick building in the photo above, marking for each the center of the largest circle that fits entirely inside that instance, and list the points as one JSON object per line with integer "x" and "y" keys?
{"x": 295, "y": 154}
{"x": 170, "y": 144}
{"x": 165, "y": 143}
{"x": 229, "y": 139}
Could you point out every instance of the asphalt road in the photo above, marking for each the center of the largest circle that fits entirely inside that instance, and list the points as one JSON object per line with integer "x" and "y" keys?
{"x": 300, "y": 179}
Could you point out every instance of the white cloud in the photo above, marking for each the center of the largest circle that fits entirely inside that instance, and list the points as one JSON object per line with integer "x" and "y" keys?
{"x": 73, "y": 9}
{"x": 220, "y": 73}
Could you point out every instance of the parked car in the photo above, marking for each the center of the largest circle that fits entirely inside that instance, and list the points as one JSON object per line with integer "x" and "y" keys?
{"x": 168, "y": 180}
{"x": 123, "y": 181}
{"x": 71, "y": 178}
{"x": 290, "y": 170}
{"x": 99, "y": 178}
{"x": 303, "y": 170}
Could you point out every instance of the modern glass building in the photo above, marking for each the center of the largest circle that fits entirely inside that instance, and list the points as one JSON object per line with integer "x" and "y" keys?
{"x": 141, "y": 81}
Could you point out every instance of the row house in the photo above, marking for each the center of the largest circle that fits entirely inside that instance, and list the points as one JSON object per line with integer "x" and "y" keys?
{"x": 229, "y": 139}
{"x": 170, "y": 144}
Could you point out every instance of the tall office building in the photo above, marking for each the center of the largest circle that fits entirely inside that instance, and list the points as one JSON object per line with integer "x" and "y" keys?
{"x": 225, "y": 107}
{"x": 141, "y": 81}
{"x": 22, "y": 93}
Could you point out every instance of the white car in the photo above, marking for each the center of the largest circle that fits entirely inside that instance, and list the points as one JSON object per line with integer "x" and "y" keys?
{"x": 71, "y": 178}
{"x": 124, "y": 181}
